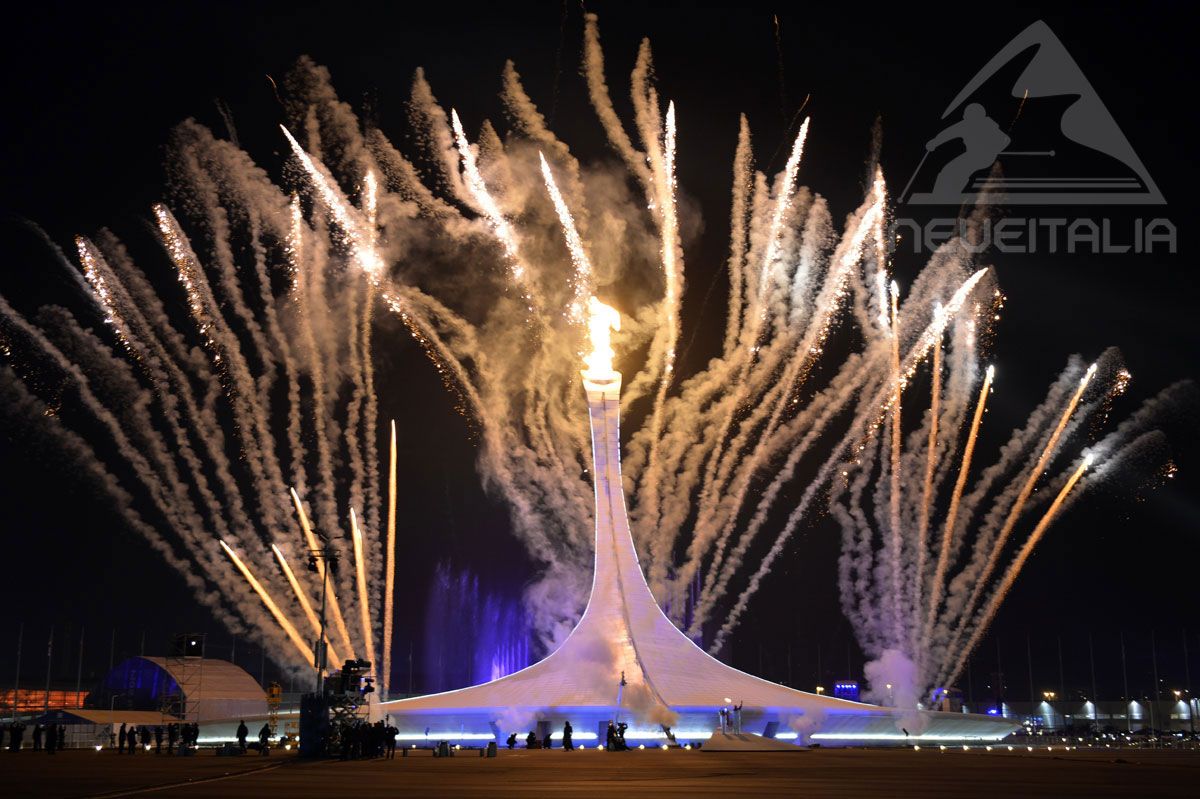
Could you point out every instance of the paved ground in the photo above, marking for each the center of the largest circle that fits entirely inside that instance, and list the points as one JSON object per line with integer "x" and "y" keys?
{"x": 927, "y": 774}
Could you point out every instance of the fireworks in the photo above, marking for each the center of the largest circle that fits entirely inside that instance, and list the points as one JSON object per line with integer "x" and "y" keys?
{"x": 494, "y": 264}
{"x": 265, "y": 596}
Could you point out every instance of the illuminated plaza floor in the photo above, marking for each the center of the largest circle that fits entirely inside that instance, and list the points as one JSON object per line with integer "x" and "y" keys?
{"x": 833, "y": 773}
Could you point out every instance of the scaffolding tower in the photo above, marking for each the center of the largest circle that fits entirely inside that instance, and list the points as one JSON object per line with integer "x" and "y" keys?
{"x": 274, "y": 699}
{"x": 185, "y": 660}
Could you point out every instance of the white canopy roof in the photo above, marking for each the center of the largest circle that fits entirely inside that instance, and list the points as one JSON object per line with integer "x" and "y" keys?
{"x": 623, "y": 631}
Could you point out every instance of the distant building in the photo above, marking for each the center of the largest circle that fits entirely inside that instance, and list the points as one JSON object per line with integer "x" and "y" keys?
{"x": 35, "y": 700}
{"x": 1057, "y": 716}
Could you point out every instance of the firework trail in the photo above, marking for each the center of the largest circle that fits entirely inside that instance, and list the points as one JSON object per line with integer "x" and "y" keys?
{"x": 314, "y": 547}
{"x": 960, "y": 483}
{"x": 389, "y": 552}
{"x": 1010, "y": 576}
{"x": 295, "y": 637}
{"x": 302, "y": 598}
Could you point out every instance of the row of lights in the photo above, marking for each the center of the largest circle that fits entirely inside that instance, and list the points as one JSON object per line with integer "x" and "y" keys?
{"x": 146, "y": 747}
{"x": 1050, "y": 696}
{"x": 943, "y": 748}
{"x": 458, "y": 747}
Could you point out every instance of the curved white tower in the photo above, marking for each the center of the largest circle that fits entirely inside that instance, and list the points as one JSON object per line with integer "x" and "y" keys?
{"x": 625, "y": 659}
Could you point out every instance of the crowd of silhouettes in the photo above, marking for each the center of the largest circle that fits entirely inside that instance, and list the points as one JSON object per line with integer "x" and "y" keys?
{"x": 614, "y": 739}
{"x": 47, "y": 738}
{"x": 568, "y": 738}
{"x": 363, "y": 740}
{"x": 129, "y": 736}
{"x": 127, "y": 739}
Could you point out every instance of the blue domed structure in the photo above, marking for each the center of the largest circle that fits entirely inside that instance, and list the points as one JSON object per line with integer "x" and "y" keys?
{"x": 209, "y": 689}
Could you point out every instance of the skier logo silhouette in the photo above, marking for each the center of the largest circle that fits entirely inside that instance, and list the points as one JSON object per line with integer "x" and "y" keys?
{"x": 1095, "y": 163}
{"x": 984, "y": 141}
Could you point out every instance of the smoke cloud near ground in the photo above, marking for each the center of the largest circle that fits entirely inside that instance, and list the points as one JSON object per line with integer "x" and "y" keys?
{"x": 805, "y": 724}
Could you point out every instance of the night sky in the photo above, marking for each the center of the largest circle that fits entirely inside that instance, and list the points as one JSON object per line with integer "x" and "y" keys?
{"x": 91, "y": 98}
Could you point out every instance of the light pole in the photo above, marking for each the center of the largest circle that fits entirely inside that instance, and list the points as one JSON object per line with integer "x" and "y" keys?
{"x": 1191, "y": 709}
{"x": 329, "y": 558}
{"x": 17, "y": 678}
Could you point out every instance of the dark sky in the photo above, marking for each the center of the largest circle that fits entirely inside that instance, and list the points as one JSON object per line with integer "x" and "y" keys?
{"x": 92, "y": 95}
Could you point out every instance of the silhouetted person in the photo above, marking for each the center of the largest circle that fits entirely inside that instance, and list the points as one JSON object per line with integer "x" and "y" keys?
{"x": 389, "y": 741}
{"x": 264, "y": 738}
{"x": 379, "y": 744}
{"x": 983, "y": 140}
{"x": 158, "y": 739}
{"x": 15, "y": 732}
{"x": 37, "y": 737}
{"x": 568, "y": 743}
{"x": 133, "y": 740}
{"x": 610, "y": 737}
{"x": 511, "y": 742}
{"x": 242, "y": 732}
{"x": 531, "y": 740}
{"x": 62, "y": 736}
{"x": 123, "y": 737}
{"x": 172, "y": 737}
{"x": 50, "y": 735}
{"x": 547, "y": 742}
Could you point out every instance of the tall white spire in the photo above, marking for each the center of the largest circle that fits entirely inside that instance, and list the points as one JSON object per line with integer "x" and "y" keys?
{"x": 624, "y": 635}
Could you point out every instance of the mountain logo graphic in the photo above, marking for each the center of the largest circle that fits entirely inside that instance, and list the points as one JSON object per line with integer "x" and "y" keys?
{"x": 1060, "y": 146}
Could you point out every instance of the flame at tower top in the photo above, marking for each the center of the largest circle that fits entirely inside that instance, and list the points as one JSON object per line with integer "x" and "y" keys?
{"x": 602, "y": 320}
